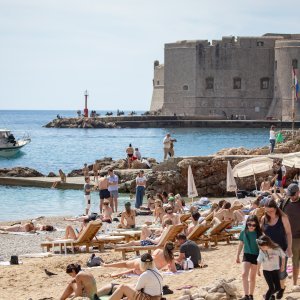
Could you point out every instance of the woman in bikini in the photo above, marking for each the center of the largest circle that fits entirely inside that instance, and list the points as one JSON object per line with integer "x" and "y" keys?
{"x": 27, "y": 227}
{"x": 163, "y": 258}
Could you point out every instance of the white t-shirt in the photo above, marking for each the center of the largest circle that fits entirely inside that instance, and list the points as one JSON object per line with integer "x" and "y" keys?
{"x": 140, "y": 179}
{"x": 270, "y": 259}
{"x": 283, "y": 169}
{"x": 272, "y": 135}
{"x": 151, "y": 281}
{"x": 167, "y": 142}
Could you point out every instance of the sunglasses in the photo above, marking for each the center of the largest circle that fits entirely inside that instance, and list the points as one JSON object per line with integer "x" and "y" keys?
{"x": 251, "y": 224}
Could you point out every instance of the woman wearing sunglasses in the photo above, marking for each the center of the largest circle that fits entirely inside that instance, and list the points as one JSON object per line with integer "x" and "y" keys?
{"x": 247, "y": 239}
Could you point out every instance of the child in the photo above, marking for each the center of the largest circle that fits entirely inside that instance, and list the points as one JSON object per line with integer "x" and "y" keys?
{"x": 248, "y": 241}
{"x": 106, "y": 212}
{"x": 269, "y": 254}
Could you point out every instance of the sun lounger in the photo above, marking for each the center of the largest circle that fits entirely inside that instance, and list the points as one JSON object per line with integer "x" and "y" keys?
{"x": 86, "y": 238}
{"x": 197, "y": 234}
{"x": 169, "y": 235}
{"x": 184, "y": 217}
{"x": 218, "y": 232}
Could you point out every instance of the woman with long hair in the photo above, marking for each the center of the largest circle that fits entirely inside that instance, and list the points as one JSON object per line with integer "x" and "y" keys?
{"x": 275, "y": 224}
{"x": 149, "y": 285}
{"x": 247, "y": 239}
{"x": 272, "y": 259}
{"x": 162, "y": 258}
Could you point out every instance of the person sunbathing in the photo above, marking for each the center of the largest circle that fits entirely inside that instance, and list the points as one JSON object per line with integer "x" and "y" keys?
{"x": 170, "y": 215}
{"x": 27, "y": 227}
{"x": 127, "y": 217}
{"x": 63, "y": 179}
{"x": 158, "y": 211}
{"x": 149, "y": 284}
{"x": 152, "y": 240}
{"x": 106, "y": 212}
{"x": 163, "y": 258}
{"x": 83, "y": 284}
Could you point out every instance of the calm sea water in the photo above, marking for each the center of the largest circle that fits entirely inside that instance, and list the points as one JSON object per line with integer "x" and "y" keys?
{"x": 69, "y": 149}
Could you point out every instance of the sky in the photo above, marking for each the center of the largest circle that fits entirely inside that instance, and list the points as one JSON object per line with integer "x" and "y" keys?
{"x": 51, "y": 51}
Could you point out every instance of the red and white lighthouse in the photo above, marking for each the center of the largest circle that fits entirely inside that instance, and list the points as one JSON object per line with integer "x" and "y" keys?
{"x": 86, "y": 111}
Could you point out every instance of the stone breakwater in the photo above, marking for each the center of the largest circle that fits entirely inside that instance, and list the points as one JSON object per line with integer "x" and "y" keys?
{"x": 163, "y": 121}
{"x": 171, "y": 176}
{"x": 79, "y": 123}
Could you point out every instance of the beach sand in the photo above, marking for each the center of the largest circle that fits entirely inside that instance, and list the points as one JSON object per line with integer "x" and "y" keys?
{"x": 29, "y": 281}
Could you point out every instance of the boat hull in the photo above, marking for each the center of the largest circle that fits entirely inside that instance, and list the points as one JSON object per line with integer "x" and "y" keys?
{"x": 13, "y": 150}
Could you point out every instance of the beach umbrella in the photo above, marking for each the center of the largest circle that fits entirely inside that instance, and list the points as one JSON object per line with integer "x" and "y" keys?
{"x": 230, "y": 181}
{"x": 192, "y": 191}
{"x": 292, "y": 160}
{"x": 253, "y": 166}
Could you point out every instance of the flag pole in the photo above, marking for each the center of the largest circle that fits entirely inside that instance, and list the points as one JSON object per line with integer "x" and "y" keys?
{"x": 293, "y": 102}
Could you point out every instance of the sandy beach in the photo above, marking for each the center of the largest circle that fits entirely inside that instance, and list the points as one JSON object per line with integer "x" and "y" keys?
{"x": 29, "y": 281}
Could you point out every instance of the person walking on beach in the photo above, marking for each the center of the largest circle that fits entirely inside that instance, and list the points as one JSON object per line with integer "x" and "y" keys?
{"x": 103, "y": 190}
{"x": 272, "y": 138}
{"x": 291, "y": 207}
{"x": 85, "y": 170}
{"x": 87, "y": 194}
{"x": 140, "y": 188}
{"x": 95, "y": 171}
{"x": 83, "y": 284}
{"x": 113, "y": 188}
{"x": 272, "y": 259}
{"x": 129, "y": 152}
{"x": 247, "y": 242}
{"x": 275, "y": 224}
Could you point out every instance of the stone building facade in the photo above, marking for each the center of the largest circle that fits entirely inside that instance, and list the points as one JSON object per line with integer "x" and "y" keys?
{"x": 249, "y": 77}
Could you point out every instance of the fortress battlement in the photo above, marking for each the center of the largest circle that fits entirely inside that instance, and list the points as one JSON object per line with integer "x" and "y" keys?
{"x": 247, "y": 76}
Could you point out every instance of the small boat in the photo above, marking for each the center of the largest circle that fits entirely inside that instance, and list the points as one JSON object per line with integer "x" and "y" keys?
{"x": 9, "y": 146}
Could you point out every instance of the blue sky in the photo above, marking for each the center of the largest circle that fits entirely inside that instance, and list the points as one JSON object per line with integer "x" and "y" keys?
{"x": 52, "y": 50}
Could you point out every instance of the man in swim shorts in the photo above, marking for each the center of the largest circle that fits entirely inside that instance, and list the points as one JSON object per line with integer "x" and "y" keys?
{"x": 103, "y": 190}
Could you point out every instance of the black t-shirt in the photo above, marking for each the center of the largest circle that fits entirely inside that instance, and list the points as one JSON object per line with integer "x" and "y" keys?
{"x": 279, "y": 173}
{"x": 191, "y": 249}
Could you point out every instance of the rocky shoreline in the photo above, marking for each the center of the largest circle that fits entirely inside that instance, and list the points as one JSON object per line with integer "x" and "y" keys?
{"x": 209, "y": 171}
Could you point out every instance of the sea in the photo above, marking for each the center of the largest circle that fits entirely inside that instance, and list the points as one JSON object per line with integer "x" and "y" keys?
{"x": 67, "y": 149}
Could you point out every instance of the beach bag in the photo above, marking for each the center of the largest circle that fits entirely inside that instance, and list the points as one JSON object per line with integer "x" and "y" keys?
{"x": 94, "y": 261}
{"x": 188, "y": 264}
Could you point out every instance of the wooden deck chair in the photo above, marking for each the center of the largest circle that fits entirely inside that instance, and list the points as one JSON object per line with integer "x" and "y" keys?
{"x": 184, "y": 217}
{"x": 209, "y": 217}
{"x": 218, "y": 232}
{"x": 86, "y": 238}
{"x": 197, "y": 233}
{"x": 168, "y": 235}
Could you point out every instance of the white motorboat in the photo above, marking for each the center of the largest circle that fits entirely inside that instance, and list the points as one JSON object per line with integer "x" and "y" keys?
{"x": 9, "y": 146}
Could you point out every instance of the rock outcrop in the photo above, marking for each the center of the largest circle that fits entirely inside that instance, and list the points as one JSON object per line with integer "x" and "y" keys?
{"x": 79, "y": 123}
{"x": 20, "y": 172}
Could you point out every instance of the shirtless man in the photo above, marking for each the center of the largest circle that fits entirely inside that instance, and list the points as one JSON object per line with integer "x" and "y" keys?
{"x": 129, "y": 152}
{"x": 83, "y": 284}
{"x": 163, "y": 258}
{"x": 95, "y": 171}
{"x": 85, "y": 171}
{"x": 127, "y": 217}
{"x": 103, "y": 190}
{"x": 171, "y": 216}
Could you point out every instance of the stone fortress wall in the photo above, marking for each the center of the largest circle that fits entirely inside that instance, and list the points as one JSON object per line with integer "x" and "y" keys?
{"x": 246, "y": 76}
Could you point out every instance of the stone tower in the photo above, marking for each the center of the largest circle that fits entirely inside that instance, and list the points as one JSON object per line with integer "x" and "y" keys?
{"x": 287, "y": 57}
{"x": 158, "y": 87}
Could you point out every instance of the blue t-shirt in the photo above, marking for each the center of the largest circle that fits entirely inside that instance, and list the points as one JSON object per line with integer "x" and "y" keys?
{"x": 249, "y": 240}
{"x": 113, "y": 179}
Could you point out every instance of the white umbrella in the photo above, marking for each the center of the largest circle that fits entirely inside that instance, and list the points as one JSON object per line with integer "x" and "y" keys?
{"x": 230, "y": 182}
{"x": 292, "y": 160}
{"x": 253, "y": 166}
{"x": 192, "y": 191}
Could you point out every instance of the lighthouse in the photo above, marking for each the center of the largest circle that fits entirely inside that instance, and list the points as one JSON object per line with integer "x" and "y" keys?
{"x": 86, "y": 111}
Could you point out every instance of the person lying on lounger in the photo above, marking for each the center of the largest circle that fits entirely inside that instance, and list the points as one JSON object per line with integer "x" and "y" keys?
{"x": 149, "y": 240}
{"x": 162, "y": 258}
{"x": 27, "y": 227}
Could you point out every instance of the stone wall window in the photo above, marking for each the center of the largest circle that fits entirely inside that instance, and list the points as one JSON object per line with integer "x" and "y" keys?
{"x": 295, "y": 63}
{"x": 209, "y": 83}
{"x": 264, "y": 83}
{"x": 185, "y": 87}
{"x": 157, "y": 82}
{"x": 237, "y": 83}
{"x": 259, "y": 44}
{"x": 275, "y": 64}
